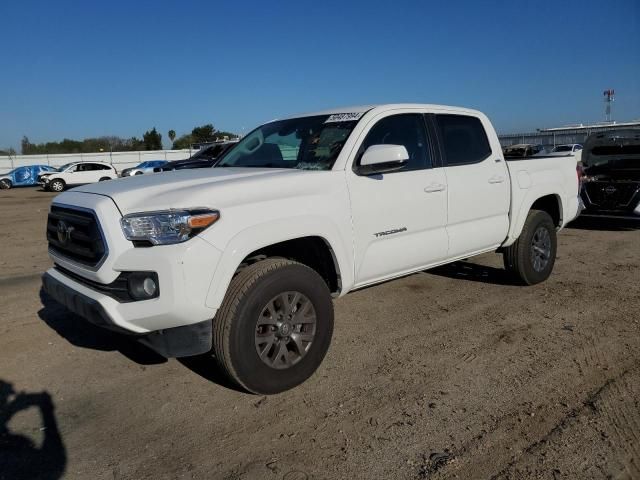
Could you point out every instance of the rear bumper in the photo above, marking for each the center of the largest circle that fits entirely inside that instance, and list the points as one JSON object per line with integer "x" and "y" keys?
{"x": 187, "y": 340}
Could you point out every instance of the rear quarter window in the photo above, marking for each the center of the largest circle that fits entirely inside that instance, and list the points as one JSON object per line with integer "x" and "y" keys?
{"x": 463, "y": 138}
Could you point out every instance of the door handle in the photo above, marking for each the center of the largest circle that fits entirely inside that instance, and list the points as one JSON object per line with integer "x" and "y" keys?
{"x": 435, "y": 187}
{"x": 496, "y": 179}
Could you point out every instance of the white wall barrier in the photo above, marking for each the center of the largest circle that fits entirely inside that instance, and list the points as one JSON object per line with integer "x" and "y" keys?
{"x": 120, "y": 160}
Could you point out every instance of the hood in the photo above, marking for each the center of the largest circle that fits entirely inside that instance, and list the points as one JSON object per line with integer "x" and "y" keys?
{"x": 210, "y": 188}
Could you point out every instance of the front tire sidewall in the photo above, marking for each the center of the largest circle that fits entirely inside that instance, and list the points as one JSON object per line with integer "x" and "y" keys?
{"x": 254, "y": 375}
{"x": 57, "y": 186}
{"x": 5, "y": 185}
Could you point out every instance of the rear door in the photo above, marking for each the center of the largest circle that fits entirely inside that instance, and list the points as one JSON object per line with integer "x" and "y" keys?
{"x": 399, "y": 218}
{"x": 103, "y": 171}
{"x": 478, "y": 183}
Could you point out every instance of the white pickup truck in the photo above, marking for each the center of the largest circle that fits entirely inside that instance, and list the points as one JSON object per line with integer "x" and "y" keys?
{"x": 242, "y": 260}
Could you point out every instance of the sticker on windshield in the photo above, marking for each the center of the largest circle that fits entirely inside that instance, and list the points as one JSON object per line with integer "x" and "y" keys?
{"x": 344, "y": 117}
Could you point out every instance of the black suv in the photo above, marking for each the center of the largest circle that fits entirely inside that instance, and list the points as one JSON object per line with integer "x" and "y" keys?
{"x": 611, "y": 174}
{"x": 203, "y": 158}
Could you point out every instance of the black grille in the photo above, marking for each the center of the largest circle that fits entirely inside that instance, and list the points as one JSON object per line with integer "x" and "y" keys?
{"x": 612, "y": 195}
{"x": 75, "y": 234}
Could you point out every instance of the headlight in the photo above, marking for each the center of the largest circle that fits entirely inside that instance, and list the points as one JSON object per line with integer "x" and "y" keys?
{"x": 167, "y": 227}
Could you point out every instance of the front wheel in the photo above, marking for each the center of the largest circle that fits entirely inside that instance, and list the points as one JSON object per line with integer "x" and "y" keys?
{"x": 531, "y": 258}
{"x": 5, "y": 184}
{"x": 274, "y": 326}
{"x": 57, "y": 185}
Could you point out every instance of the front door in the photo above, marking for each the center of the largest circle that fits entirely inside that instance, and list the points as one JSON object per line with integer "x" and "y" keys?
{"x": 399, "y": 218}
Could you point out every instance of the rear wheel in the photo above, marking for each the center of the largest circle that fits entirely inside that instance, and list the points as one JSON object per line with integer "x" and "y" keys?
{"x": 274, "y": 326}
{"x": 57, "y": 185}
{"x": 531, "y": 258}
{"x": 5, "y": 184}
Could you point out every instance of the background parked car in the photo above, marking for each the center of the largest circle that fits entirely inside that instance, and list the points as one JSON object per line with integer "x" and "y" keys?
{"x": 76, "y": 173}
{"x": 23, "y": 176}
{"x": 203, "y": 158}
{"x": 611, "y": 174}
{"x": 568, "y": 149}
{"x": 144, "y": 167}
{"x": 523, "y": 150}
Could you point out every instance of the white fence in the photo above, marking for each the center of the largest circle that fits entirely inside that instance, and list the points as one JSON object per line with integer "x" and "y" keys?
{"x": 119, "y": 160}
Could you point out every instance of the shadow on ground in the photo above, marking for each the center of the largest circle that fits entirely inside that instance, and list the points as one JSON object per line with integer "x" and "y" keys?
{"x": 464, "y": 270}
{"x": 20, "y": 457}
{"x": 605, "y": 224}
{"x": 81, "y": 333}
{"x": 206, "y": 367}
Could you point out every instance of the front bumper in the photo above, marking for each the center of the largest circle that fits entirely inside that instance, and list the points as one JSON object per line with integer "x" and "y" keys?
{"x": 184, "y": 271}
{"x": 182, "y": 341}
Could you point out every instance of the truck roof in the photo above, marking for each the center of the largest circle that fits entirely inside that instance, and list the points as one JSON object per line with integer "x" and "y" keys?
{"x": 384, "y": 107}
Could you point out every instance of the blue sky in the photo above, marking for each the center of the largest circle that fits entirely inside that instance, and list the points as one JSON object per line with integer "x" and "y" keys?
{"x": 82, "y": 69}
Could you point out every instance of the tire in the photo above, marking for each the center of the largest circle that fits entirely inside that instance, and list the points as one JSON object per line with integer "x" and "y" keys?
{"x": 242, "y": 327}
{"x": 57, "y": 185}
{"x": 104, "y": 179}
{"x": 531, "y": 258}
{"x": 5, "y": 184}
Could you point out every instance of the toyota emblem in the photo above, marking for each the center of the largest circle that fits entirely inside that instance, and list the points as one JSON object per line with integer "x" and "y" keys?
{"x": 64, "y": 232}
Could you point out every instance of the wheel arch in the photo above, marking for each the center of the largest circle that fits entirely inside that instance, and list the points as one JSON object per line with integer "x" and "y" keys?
{"x": 548, "y": 201}
{"x": 321, "y": 251}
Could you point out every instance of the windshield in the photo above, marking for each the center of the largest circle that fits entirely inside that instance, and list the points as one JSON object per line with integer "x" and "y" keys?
{"x": 211, "y": 152}
{"x": 306, "y": 143}
{"x": 63, "y": 167}
{"x": 150, "y": 163}
{"x": 563, "y": 148}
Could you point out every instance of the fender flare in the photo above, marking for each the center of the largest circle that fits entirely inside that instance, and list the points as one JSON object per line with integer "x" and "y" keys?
{"x": 275, "y": 231}
{"x": 522, "y": 211}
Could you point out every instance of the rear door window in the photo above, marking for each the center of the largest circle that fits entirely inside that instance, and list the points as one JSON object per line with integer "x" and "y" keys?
{"x": 463, "y": 138}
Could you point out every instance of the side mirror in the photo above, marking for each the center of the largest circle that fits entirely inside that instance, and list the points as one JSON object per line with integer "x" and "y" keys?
{"x": 383, "y": 159}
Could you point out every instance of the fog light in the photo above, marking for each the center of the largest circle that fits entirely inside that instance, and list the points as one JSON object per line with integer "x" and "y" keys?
{"x": 143, "y": 285}
{"x": 149, "y": 286}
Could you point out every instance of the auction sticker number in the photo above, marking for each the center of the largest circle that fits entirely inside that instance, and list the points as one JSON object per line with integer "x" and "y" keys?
{"x": 344, "y": 117}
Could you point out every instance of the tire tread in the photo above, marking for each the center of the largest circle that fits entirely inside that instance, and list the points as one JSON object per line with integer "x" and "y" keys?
{"x": 238, "y": 289}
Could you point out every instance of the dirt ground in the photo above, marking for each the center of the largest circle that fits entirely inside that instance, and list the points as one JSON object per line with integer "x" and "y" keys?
{"x": 452, "y": 373}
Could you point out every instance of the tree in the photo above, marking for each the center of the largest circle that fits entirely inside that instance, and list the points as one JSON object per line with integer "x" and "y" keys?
{"x": 183, "y": 142}
{"x": 172, "y": 135}
{"x": 203, "y": 134}
{"x": 152, "y": 140}
{"x": 26, "y": 146}
{"x": 9, "y": 151}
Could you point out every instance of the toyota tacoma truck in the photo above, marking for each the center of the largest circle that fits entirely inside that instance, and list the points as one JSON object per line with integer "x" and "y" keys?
{"x": 241, "y": 261}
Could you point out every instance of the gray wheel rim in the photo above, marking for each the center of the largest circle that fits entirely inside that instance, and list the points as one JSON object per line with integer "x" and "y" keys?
{"x": 540, "y": 249}
{"x": 56, "y": 186}
{"x": 285, "y": 330}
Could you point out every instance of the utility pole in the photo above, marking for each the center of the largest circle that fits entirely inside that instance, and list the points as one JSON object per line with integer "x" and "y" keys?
{"x": 609, "y": 97}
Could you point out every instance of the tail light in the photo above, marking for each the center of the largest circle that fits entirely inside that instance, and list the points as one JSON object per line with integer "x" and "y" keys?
{"x": 580, "y": 174}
